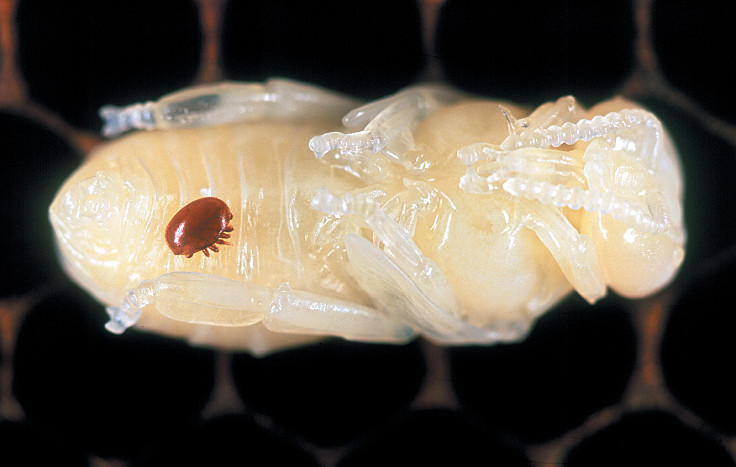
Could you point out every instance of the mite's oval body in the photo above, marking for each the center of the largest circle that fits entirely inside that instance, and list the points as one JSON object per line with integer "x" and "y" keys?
{"x": 199, "y": 226}
{"x": 437, "y": 216}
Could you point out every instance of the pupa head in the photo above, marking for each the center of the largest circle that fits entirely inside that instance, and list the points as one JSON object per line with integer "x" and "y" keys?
{"x": 98, "y": 217}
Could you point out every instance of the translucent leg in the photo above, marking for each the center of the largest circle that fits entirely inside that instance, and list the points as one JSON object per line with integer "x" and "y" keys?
{"x": 538, "y": 201}
{"x": 399, "y": 278}
{"x": 206, "y": 299}
{"x": 585, "y": 130}
{"x": 546, "y": 164}
{"x": 388, "y": 125}
{"x": 193, "y": 298}
{"x": 561, "y": 179}
{"x": 654, "y": 219}
{"x": 397, "y": 243}
{"x": 227, "y": 102}
{"x": 564, "y": 109}
{"x": 429, "y": 98}
{"x": 418, "y": 200}
{"x": 575, "y": 253}
{"x": 405, "y": 297}
{"x": 295, "y": 311}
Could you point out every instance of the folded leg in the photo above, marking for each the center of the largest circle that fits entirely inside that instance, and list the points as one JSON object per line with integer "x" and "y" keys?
{"x": 193, "y": 298}
{"x": 401, "y": 280}
{"x": 388, "y": 124}
{"x": 296, "y": 311}
{"x": 207, "y": 299}
{"x": 228, "y": 102}
{"x": 575, "y": 253}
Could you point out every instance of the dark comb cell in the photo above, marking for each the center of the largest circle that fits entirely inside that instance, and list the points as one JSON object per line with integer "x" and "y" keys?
{"x": 649, "y": 438}
{"x": 536, "y": 52}
{"x": 698, "y": 345}
{"x": 435, "y": 437}
{"x": 35, "y": 163}
{"x": 576, "y": 360}
{"x": 111, "y": 395}
{"x": 77, "y": 56}
{"x": 229, "y": 440}
{"x": 23, "y": 444}
{"x": 694, "y": 43}
{"x": 366, "y": 49}
{"x": 331, "y": 391}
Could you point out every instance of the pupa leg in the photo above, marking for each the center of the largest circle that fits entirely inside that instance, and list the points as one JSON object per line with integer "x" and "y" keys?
{"x": 296, "y": 311}
{"x": 388, "y": 125}
{"x": 227, "y": 102}
{"x": 193, "y": 298}
{"x": 570, "y": 132}
{"x": 558, "y": 178}
{"x": 207, "y": 299}
{"x": 560, "y": 167}
{"x": 575, "y": 253}
{"x": 399, "y": 278}
{"x": 564, "y": 109}
{"x": 404, "y": 296}
{"x": 538, "y": 204}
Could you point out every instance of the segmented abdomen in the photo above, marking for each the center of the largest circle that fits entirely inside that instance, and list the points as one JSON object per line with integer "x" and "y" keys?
{"x": 264, "y": 172}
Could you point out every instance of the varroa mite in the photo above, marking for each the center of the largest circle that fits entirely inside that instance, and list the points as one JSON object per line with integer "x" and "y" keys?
{"x": 199, "y": 226}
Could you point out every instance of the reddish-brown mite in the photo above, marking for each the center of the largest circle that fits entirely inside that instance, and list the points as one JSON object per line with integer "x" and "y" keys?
{"x": 199, "y": 226}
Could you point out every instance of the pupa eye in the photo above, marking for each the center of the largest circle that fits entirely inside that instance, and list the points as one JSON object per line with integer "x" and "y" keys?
{"x": 199, "y": 226}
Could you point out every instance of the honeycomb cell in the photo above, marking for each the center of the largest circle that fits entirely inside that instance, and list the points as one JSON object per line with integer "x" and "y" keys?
{"x": 366, "y": 49}
{"x": 229, "y": 440}
{"x": 110, "y": 395}
{"x": 531, "y": 53}
{"x": 698, "y": 344}
{"x": 689, "y": 39}
{"x": 23, "y": 444}
{"x": 576, "y": 360}
{"x": 77, "y": 56}
{"x": 435, "y": 437}
{"x": 648, "y": 438}
{"x": 332, "y": 391}
{"x": 35, "y": 163}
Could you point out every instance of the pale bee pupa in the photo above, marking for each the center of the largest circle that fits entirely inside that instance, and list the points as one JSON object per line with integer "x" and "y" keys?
{"x": 424, "y": 213}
